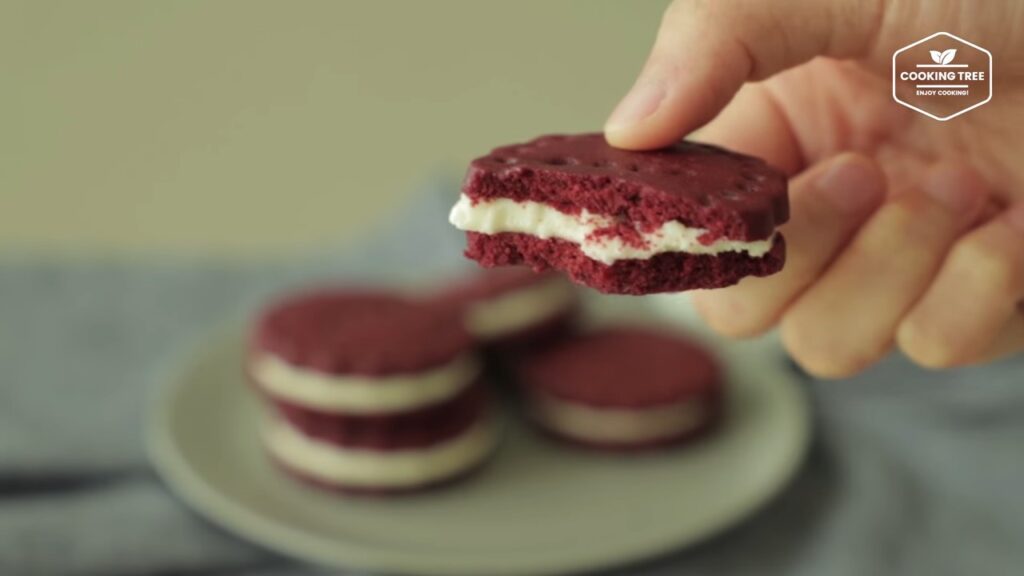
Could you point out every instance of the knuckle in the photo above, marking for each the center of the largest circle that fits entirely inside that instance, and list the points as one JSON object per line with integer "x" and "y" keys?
{"x": 731, "y": 317}
{"x": 915, "y": 223}
{"x": 891, "y": 220}
{"x": 928, "y": 346}
{"x": 678, "y": 12}
{"x": 903, "y": 222}
{"x": 991, "y": 264}
{"x": 683, "y": 9}
{"x": 821, "y": 355}
{"x": 678, "y": 9}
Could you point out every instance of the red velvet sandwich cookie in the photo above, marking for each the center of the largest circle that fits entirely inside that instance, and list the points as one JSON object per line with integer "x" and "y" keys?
{"x": 626, "y": 222}
{"x": 623, "y": 388}
{"x": 350, "y": 353}
{"x": 391, "y": 431}
{"x": 514, "y": 305}
{"x": 372, "y": 391}
{"x": 385, "y": 454}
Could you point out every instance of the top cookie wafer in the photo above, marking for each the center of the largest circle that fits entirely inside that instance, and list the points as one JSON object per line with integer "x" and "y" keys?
{"x": 353, "y": 332}
{"x": 624, "y": 367}
{"x": 728, "y": 194}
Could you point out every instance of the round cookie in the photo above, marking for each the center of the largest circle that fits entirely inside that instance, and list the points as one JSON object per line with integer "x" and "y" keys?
{"x": 391, "y": 431}
{"x": 371, "y": 392}
{"x": 627, "y": 222}
{"x": 371, "y": 471}
{"x": 623, "y": 388}
{"x": 357, "y": 353}
{"x": 386, "y": 456}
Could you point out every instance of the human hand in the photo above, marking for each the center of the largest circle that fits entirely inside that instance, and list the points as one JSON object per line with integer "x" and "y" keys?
{"x": 903, "y": 229}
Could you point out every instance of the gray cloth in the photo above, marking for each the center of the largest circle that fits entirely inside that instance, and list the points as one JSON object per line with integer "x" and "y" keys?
{"x": 912, "y": 472}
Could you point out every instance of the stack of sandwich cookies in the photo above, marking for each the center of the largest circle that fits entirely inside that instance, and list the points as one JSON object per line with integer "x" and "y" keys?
{"x": 371, "y": 392}
{"x": 623, "y": 389}
{"x": 515, "y": 306}
{"x": 688, "y": 216}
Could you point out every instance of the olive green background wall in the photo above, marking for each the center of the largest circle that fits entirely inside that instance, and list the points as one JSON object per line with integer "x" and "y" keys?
{"x": 259, "y": 128}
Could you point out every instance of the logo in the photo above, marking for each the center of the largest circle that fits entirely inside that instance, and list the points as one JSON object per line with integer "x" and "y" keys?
{"x": 942, "y": 76}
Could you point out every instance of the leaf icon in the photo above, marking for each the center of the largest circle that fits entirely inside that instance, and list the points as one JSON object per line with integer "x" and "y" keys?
{"x": 948, "y": 55}
{"x": 936, "y": 56}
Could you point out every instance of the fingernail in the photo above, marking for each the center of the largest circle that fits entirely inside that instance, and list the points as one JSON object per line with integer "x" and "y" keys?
{"x": 853, "y": 184}
{"x": 641, "y": 101}
{"x": 1015, "y": 216}
{"x": 956, "y": 187}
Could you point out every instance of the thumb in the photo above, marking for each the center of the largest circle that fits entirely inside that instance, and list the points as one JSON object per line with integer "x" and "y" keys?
{"x": 707, "y": 49}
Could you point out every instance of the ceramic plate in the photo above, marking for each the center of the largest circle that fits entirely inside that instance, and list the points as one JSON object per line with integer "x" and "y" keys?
{"x": 537, "y": 507}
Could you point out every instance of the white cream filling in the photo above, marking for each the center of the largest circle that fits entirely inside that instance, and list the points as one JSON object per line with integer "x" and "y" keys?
{"x": 519, "y": 309}
{"x": 362, "y": 394}
{"x": 502, "y": 215}
{"x": 616, "y": 425}
{"x": 360, "y": 467}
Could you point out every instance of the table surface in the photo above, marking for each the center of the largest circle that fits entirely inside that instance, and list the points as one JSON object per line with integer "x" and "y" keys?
{"x": 256, "y": 127}
{"x": 912, "y": 472}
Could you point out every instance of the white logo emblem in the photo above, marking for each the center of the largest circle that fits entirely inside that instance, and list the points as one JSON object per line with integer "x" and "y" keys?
{"x": 942, "y": 76}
